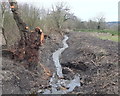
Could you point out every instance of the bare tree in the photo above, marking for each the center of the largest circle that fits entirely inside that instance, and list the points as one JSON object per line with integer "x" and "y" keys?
{"x": 100, "y": 21}
{"x": 92, "y": 24}
{"x": 60, "y": 14}
{"x": 30, "y": 14}
{"x": 3, "y": 9}
{"x": 23, "y": 28}
{"x": 27, "y": 47}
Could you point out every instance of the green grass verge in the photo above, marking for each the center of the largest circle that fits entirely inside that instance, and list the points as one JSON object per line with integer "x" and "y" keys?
{"x": 114, "y": 34}
{"x": 100, "y": 31}
{"x": 112, "y": 38}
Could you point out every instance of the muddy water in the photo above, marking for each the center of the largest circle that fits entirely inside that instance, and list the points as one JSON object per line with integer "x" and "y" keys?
{"x": 61, "y": 86}
{"x": 56, "y": 56}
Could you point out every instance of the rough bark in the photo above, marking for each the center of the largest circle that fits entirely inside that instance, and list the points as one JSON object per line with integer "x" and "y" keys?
{"x": 20, "y": 23}
{"x": 26, "y": 50}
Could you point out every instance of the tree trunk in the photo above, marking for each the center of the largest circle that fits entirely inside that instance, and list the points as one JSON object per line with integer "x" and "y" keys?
{"x": 2, "y": 23}
{"x": 27, "y": 49}
{"x": 21, "y": 25}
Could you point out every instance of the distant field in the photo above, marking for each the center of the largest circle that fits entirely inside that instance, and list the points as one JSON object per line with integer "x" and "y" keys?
{"x": 112, "y": 38}
{"x": 107, "y": 34}
{"x": 101, "y": 31}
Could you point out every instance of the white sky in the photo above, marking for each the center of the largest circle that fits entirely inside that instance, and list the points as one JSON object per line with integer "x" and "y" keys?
{"x": 85, "y": 9}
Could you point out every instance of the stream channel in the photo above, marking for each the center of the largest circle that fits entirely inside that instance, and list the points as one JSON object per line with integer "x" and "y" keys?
{"x": 57, "y": 82}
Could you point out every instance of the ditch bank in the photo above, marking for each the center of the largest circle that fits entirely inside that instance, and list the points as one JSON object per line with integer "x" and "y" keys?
{"x": 17, "y": 79}
{"x": 59, "y": 84}
{"x": 95, "y": 60}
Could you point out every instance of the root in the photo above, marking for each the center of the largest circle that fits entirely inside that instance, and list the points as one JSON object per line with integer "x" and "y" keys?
{"x": 47, "y": 72}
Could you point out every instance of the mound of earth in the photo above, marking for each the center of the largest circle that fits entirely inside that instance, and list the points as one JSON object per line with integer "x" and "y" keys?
{"x": 95, "y": 60}
{"x": 18, "y": 79}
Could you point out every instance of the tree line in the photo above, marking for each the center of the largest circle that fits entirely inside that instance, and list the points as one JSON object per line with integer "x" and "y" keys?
{"x": 57, "y": 19}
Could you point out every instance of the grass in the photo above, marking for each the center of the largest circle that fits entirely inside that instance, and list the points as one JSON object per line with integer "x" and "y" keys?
{"x": 113, "y": 32}
{"x": 109, "y": 31}
{"x": 113, "y": 37}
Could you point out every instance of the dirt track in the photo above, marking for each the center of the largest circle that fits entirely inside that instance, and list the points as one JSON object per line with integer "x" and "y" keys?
{"x": 94, "y": 59}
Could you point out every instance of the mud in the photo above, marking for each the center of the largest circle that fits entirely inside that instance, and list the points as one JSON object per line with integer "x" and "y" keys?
{"x": 59, "y": 84}
{"x": 77, "y": 65}
{"x": 18, "y": 79}
{"x": 95, "y": 60}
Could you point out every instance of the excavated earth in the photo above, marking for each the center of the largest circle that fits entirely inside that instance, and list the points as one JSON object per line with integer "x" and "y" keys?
{"x": 17, "y": 79}
{"x": 94, "y": 59}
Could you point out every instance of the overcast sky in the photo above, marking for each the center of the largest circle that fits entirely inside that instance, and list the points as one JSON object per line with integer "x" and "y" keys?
{"x": 84, "y": 9}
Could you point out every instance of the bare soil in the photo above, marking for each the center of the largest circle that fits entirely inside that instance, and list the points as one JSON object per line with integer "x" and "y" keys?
{"x": 18, "y": 79}
{"x": 94, "y": 59}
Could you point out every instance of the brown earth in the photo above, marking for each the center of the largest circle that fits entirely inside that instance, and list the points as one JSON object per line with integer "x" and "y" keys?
{"x": 17, "y": 79}
{"x": 94, "y": 59}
